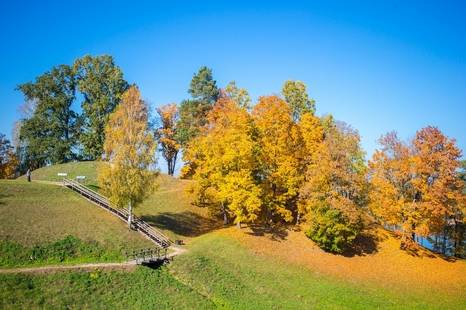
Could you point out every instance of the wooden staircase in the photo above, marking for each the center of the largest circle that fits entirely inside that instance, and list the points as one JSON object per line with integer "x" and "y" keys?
{"x": 143, "y": 227}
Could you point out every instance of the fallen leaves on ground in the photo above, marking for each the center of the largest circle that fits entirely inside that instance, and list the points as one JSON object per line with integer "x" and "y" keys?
{"x": 375, "y": 258}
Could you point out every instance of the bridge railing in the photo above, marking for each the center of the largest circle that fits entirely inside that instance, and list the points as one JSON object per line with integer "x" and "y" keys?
{"x": 147, "y": 255}
{"x": 123, "y": 213}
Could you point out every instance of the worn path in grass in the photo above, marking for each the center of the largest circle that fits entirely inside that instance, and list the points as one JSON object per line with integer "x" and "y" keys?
{"x": 128, "y": 267}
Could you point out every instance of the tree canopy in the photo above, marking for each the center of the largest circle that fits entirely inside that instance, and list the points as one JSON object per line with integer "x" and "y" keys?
{"x": 50, "y": 133}
{"x": 102, "y": 85}
{"x": 129, "y": 174}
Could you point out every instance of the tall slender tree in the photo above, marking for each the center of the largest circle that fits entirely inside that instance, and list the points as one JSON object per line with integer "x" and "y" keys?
{"x": 334, "y": 183}
{"x": 166, "y": 135}
{"x": 8, "y": 159}
{"x": 129, "y": 173}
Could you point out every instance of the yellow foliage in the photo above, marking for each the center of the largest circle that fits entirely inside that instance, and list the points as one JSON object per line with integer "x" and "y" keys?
{"x": 281, "y": 150}
{"x": 224, "y": 156}
{"x": 130, "y": 152}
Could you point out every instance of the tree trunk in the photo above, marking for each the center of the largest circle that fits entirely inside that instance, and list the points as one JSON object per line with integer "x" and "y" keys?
{"x": 225, "y": 215}
{"x": 298, "y": 218}
{"x": 238, "y": 225}
{"x": 269, "y": 216}
{"x": 130, "y": 215}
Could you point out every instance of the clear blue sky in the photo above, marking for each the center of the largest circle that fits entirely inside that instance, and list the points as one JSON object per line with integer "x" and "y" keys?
{"x": 398, "y": 65}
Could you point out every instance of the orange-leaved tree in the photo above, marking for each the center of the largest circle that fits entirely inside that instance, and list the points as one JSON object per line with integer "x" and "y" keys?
{"x": 128, "y": 176}
{"x": 334, "y": 186}
{"x": 415, "y": 185}
{"x": 393, "y": 198}
{"x": 441, "y": 200}
{"x": 166, "y": 135}
{"x": 224, "y": 154}
{"x": 280, "y": 148}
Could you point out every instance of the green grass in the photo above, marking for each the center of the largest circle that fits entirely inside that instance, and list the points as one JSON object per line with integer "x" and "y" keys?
{"x": 216, "y": 272}
{"x": 142, "y": 289}
{"x": 34, "y": 214}
{"x": 234, "y": 278}
{"x": 50, "y": 173}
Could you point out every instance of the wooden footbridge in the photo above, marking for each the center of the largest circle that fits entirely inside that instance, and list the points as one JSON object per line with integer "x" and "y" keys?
{"x": 144, "y": 228}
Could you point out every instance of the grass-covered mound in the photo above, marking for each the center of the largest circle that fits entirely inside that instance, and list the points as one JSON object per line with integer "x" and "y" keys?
{"x": 221, "y": 271}
{"x": 50, "y": 173}
{"x": 252, "y": 268}
{"x": 38, "y": 215}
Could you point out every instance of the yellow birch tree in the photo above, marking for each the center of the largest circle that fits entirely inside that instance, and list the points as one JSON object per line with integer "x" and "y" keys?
{"x": 128, "y": 176}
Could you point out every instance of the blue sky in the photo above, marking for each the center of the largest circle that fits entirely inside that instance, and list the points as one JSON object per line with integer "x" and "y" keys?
{"x": 379, "y": 66}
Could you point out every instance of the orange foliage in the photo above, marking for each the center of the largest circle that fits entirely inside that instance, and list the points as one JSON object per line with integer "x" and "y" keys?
{"x": 224, "y": 154}
{"x": 281, "y": 151}
{"x": 374, "y": 258}
{"x": 166, "y": 135}
{"x": 415, "y": 184}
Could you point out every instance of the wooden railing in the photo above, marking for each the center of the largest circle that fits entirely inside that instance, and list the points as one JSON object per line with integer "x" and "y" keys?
{"x": 147, "y": 256}
{"x": 143, "y": 227}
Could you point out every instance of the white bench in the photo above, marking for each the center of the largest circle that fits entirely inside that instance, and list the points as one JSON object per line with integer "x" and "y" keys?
{"x": 62, "y": 175}
{"x": 81, "y": 178}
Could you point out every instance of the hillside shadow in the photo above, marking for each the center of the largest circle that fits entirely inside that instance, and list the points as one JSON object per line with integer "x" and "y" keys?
{"x": 366, "y": 243}
{"x": 186, "y": 224}
{"x": 275, "y": 233}
{"x": 419, "y": 251}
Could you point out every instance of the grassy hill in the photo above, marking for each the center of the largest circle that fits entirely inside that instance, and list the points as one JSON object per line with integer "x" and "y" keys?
{"x": 252, "y": 268}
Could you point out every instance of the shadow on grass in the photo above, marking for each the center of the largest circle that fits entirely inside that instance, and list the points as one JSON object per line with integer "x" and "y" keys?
{"x": 186, "y": 224}
{"x": 420, "y": 252}
{"x": 366, "y": 243}
{"x": 95, "y": 188}
{"x": 275, "y": 232}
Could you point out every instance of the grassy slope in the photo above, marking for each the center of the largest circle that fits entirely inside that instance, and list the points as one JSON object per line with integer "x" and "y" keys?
{"x": 33, "y": 214}
{"x": 50, "y": 173}
{"x": 234, "y": 277}
{"x": 261, "y": 269}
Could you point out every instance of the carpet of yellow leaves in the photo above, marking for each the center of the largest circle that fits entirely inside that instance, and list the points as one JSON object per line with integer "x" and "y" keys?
{"x": 375, "y": 258}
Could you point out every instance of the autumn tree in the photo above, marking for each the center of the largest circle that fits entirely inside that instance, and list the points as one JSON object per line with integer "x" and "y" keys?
{"x": 334, "y": 184}
{"x": 224, "y": 154}
{"x": 280, "y": 149}
{"x": 8, "y": 160}
{"x": 128, "y": 176}
{"x": 102, "y": 85}
{"x": 166, "y": 135}
{"x": 296, "y": 96}
{"x": 50, "y": 134}
{"x": 415, "y": 184}
{"x": 240, "y": 96}
{"x": 312, "y": 133}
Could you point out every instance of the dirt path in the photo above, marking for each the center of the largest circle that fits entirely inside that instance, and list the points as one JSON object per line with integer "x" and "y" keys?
{"x": 128, "y": 267}
{"x": 82, "y": 267}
